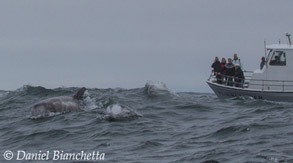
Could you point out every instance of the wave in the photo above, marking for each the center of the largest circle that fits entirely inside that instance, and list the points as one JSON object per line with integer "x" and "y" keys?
{"x": 88, "y": 103}
{"x": 157, "y": 89}
{"x": 148, "y": 145}
{"x": 190, "y": 127}
{"x": 105, "y": 97}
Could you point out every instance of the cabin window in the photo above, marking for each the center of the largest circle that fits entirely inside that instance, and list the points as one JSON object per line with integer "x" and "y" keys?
{"x": 278, "y": 58}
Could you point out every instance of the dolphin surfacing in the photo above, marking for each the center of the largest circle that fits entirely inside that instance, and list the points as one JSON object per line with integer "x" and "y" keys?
{"x": 62, "y": 104}
{"x": 120, "y": 112}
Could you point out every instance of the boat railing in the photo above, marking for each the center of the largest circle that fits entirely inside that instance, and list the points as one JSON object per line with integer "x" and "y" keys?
{"x": 248, "y": 81}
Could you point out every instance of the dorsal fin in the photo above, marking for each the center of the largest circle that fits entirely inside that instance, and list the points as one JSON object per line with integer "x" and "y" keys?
{"x": 79, "y": 94}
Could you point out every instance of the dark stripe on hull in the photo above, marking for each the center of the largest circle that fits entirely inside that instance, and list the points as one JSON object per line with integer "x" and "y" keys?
{"x": 226, "y": 91}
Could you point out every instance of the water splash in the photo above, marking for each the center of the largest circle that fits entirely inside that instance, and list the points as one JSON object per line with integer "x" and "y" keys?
{"x": 157, "y": 89}
{"x": 89, "y": 103}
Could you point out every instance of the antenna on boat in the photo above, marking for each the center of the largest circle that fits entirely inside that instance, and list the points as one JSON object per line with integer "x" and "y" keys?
{"x": 265, "y": 45}
{"x": 289, "y": 39}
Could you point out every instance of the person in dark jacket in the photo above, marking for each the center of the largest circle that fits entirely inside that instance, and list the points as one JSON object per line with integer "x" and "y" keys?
{"x": 217, "y": 69}
{"x": 276, "y": 61}
{"x": 239, "y": 77}
{"x": 223, "y": 69}
{"x": 230, "y": 72}
{"x": 262, "y": 63}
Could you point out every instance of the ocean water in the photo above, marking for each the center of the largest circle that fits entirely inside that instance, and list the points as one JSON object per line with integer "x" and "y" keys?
{"x": 175, "y": 127}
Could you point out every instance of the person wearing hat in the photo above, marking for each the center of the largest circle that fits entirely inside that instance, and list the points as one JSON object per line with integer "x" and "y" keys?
{"x": 239, "y": 77}
{"x": 230, "y": 72}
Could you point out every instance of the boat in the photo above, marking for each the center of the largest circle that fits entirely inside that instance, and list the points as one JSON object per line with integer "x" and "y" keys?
{"x": 273, "y": 82}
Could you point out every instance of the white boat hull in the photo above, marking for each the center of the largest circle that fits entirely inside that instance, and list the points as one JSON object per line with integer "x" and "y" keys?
{"x": 223, "y": 91}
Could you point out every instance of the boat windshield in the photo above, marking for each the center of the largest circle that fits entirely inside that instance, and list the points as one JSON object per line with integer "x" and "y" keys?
{"x": 269, "y": 55}
{"x": 277, "y": 58}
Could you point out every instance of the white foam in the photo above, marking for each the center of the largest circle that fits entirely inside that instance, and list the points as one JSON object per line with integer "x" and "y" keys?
{"x": 49, "y": 114}
{"x": 117, "y": 111}
{"x": 158, "y": 89}
{"x": 157, "y": 85}
{"x": 114, "y": 109}
{"x": 89, "y": 103}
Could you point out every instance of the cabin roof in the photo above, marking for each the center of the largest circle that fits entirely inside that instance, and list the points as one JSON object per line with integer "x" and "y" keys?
{"x": 280, "y": 46}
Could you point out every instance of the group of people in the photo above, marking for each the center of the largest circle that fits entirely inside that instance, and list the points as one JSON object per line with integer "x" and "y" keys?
{"x": 230, "y": 72}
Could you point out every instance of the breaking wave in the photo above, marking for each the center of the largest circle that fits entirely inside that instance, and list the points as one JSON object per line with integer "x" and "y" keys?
{"x": 186, "y": 127}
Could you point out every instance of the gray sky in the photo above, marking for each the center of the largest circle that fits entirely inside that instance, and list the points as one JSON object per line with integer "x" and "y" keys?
{"x": 113, "y": 43}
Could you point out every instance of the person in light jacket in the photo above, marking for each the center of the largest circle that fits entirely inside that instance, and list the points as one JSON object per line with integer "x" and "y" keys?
{"x": 236, "y": 60}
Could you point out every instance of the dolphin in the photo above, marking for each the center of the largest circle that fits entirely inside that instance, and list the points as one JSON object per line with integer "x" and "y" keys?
{"x": 58, "y": 104}
{"x": 117, "y": 111}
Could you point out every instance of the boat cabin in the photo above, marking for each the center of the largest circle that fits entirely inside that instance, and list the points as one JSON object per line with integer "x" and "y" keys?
{"x": 277, "y": 74}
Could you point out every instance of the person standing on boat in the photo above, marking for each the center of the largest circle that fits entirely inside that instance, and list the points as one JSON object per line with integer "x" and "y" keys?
{"x": 236, "y": 60}
{"x": 230, "y": 72}
{"x": 239, "y": 77}
{"x": 262, "y": 63}
{"x": 223, "y": 71}
{"x": 217, "y": 69}
{"x": 276, "y": 61}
